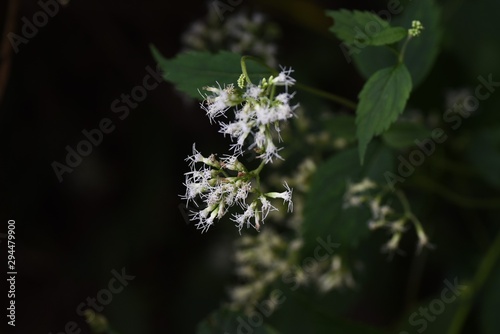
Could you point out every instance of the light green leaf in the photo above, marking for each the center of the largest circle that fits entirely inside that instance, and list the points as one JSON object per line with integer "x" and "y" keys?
{"x": 381, "y": 100}
{"x": 389, "y": 36}
{"x": 403, "y": 134}
{"x": 324, "y": 214}
{"x": 192, "y": 71}
{"x": 364, "y": 28}
{"x": 421, "y": 51}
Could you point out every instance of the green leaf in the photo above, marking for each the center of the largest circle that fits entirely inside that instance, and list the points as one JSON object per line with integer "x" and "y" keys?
{"x": 192, "y": 71}
{"x": 415, "y": 321}
{"x": 381, "y": 100}
{"x": 484, "y": 154}
{"x": 490, "y": 304}
{"x": 342, "y": 126}
{"x": 301, "y": 312}
{"x": 357, "y": 28}
{"x": 403, "y": 134}
{"x": 324, "y": 214}
{"x": 421, "y": 51}
{"x": 224, "y": 321}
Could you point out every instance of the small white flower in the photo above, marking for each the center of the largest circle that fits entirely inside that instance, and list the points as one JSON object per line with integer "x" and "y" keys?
{"x": 263, "y": 114}
{"x": 205, "y": 218}
{"x": 260, "y": 138}
{"x": 375, "y": 207}
{"x": 375, "y": 224}
{"x": 286, "y": 196}
{"x": 245, "y": 218}
{"x": 195, "y": 157}
{"x": 353, "y": 201}
{"x": 266, "y": 207}
{"x": 284, "y": 78}
{"x": 271, "y": 151}
{"x": 232, "y": 163}
{"x": 392, "y": 245}
{"x": 364, "y": 185}
{"x": 237, "y": 130}
{"x": 242, "y": 192}
{"x": 219, "y": 102}
{"x": 253, "y": 92}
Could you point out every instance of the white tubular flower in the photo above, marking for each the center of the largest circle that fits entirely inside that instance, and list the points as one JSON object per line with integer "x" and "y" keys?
{"x": 392, "y": 245}
{"x": 245, "y": 218}
{"x": 253, "y": 92}
{"x": 271, "y": 151}
{"x": 195, "y": 157}
{"x": 242, "y": 192}
{"x": 364, "y": 185}
{"x": 231, "y": 162}
{"x": 284, "y": 78}
{"x": 284, "y": 111}
{"x": 260, "y": 138}
{"x": 237, "y": 130}
{"x": 266, "y": 207}
{"x": 375, "y": 207}
{"x": 286, "y": 196}
{"x": 205, "y": 218}
{"x": 263, "y": 114}
{"x": 220, "y": 101}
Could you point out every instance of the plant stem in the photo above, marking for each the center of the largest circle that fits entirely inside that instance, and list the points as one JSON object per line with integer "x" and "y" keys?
{"x": 336, "y": 98}
{"x": 256, "y": 172}
{"x": 482, "y": 274}
{"x": 422, "y": 237}
{"x": 403, "y": 49}
{"x": 470, "y": 203}
{"x": 244, "y": 68}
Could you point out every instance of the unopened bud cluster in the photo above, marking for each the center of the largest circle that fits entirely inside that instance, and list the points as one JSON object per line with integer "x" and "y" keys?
{"x": 416, "y": 28}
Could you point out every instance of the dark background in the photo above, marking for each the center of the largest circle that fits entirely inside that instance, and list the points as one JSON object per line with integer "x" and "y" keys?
{"x": 120, "y": 207}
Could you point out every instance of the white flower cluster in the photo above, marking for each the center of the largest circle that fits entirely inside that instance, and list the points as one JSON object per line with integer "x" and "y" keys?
{"x": 257, "y": 109}
{"x": 382, "y": 214}
{"x": 240, "y": 32}
{"x": 226, "y": 182}
{"x": 260, "y": 261}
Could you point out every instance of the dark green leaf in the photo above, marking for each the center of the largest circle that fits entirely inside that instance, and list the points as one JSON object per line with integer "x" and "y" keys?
{"x": 342, "y": 126}
{"x": 381, "y": 100}
{"x": 403, "y": 134}
{"x": 224, "y": 321}
{"x": 442, "y": 313}
{"x": 421, "y": 51}
{"x": 484, "y": 155}
{"x": 324, "y": 214}
{"x": 491, "y": 304}
{"x": 192, "y": 71}
{"x": 364, "y": 28}
{"x": 302, "y": 313}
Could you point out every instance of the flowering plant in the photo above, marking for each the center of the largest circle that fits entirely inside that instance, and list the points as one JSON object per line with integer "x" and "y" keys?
{"x": 349, "y": 164}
